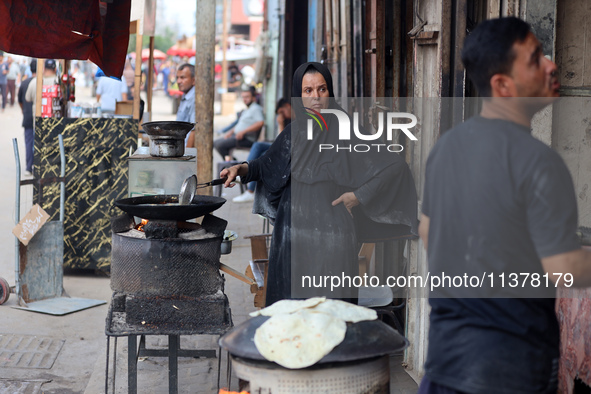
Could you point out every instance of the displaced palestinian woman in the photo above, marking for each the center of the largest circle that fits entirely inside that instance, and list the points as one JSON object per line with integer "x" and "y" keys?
{"x": 310, "y": 195}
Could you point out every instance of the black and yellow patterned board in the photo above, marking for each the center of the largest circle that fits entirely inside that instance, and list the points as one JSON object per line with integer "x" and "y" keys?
{"x": 96, "y": 175}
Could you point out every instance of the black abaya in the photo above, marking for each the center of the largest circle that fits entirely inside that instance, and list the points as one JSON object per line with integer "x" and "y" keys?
{"x": 296, "y": 186}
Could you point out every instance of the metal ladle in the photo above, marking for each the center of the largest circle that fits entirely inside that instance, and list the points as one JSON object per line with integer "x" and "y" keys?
{"x": 190, "y": 186}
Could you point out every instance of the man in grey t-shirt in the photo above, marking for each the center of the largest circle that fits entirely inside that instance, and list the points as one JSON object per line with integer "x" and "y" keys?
{"x": 246, "y": 131}
{"x": 499, "y": 202}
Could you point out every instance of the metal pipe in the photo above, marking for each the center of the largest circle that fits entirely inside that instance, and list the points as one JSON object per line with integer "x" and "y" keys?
{"x": 17, "y": 219}
{"x": 114, "y": 365}
{"x": 62, "y": 174}
{"x": 107, "y": 366}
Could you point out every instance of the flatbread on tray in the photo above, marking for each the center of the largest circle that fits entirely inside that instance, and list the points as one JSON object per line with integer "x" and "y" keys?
{"x": 345, "y": 311}
{"x": 300, "y": 339}
{"x": 288, "y": 306}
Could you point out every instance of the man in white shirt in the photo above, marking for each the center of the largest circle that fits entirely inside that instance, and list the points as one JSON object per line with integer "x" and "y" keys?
{"x": 109, "y": 91}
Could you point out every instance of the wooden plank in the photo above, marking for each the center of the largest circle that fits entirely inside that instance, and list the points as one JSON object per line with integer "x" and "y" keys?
{"x": 240, "y": 276}
{"x": 328, "y": 31}
{"x": 205, "y": 85}
{"x": 40, "y": 69}
{"x": 494, "y": 9}
{"x": 138, "y": 75}
{"x": 346, "y": 53}
{"x": 224, "y": 45}
{"x": 365, "y": 255}
{"x": 150, "y": 75}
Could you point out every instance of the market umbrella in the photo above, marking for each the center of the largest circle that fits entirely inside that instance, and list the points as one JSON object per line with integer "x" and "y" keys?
{"x": 176, "y": 51}
{"x": 158, "y": 54}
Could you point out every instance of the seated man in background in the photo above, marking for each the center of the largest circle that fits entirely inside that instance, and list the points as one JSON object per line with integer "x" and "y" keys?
{"x": 247, "y": 129}
{"x": 283, "y": 111}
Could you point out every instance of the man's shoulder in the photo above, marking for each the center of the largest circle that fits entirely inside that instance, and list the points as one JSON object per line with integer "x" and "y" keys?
{"x": 190, "y": 95}
{"x": 255, "y": 107}
{"x": 32, "y": 82}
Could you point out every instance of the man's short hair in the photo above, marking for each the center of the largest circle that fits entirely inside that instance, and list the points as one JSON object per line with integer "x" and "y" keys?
{"x": 190, "y": 66}
{"x": 488, "y": 50}
{"x": 282, "y": 101}
{"x": 50, "y": 64}
{"x": 251, "y": 89}
{"x": 33, "y": 66}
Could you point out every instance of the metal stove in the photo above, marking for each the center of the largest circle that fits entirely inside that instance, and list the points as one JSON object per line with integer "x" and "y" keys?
{"x": 165, "y": 280}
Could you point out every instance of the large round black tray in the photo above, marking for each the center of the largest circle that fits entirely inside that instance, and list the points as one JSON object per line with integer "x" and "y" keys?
{"x": 166, "y": 207}
{"x": 365, "y": 339}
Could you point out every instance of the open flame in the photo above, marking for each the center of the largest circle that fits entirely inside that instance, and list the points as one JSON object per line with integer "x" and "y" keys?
{"x": 141, "y": 225}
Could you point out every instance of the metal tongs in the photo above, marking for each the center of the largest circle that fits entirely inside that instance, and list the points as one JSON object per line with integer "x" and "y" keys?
{"x": 190, "y": 186}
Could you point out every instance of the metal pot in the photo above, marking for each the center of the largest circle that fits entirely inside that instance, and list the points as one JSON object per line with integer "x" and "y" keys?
{"x": 166, "y": 147}
{"x": 229, "y": 236}
{"x": 167, "y": 139}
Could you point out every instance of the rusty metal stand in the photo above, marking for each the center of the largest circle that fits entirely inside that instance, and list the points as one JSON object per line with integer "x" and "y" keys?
{"x": 174, "y": 351}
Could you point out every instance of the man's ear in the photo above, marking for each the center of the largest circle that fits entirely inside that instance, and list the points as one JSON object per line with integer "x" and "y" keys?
{"x": 501, "y": 85}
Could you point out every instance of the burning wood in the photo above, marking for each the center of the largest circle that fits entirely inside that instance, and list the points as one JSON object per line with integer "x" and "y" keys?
{"x": 141, "y": 225}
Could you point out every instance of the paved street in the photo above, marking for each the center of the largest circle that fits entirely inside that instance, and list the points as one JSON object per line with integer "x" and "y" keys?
{"x": 77, "y": 341}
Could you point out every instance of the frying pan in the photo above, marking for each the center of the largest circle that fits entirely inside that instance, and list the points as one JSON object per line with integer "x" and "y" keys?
{"x": 166, "y": 207}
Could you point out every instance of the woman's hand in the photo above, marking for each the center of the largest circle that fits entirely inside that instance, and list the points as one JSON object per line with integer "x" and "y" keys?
{"x": 232, "y": 172}
{"x": 348, "y": 199}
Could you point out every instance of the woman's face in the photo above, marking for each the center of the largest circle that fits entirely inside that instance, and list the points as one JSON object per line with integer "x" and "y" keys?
{"x": 315, "y": 91}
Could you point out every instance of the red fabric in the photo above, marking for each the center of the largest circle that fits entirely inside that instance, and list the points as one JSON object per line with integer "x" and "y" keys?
{"x": 46, "y": 29}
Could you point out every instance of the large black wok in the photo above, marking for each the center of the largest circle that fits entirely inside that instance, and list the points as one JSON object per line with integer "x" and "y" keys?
{"x": 363, "y": 340}
{"x": 166, "y": 207}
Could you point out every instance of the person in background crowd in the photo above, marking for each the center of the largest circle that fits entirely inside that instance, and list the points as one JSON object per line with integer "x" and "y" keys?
{"x": 234, "y": 77}
{"x": 246, "y": 131}
{"x": 25, "y": 71}
{"x": 283, "y": 111}
{"x": 109, "y": 91}
{"x": 498, "y": 200}
{"x": 27, "y": 109}
{"x": 229, "y": 127}
{"x": 165, "y": 71}
{"x": 185, "y": 78}
{"x": 129, "y": 75}
{"x": 3, "y": 72}
{"x": 49, "y": 78}
{"x": 11, "y": 77}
